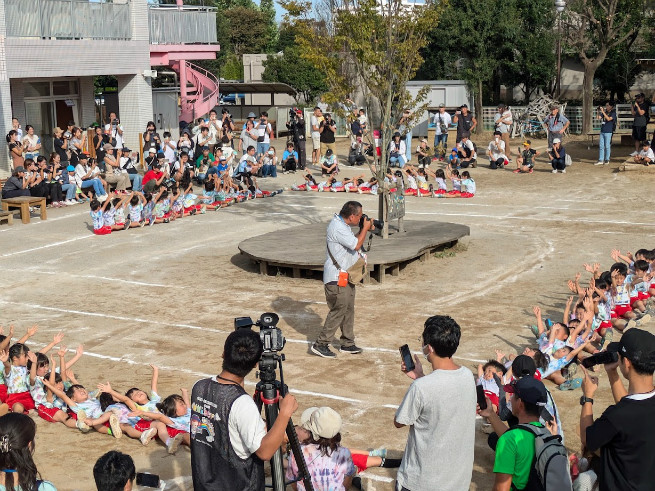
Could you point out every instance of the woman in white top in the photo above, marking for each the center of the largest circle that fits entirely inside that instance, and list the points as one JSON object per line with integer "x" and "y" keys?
{"x": 31, "y": 143}
{"x": 397, "y": 150}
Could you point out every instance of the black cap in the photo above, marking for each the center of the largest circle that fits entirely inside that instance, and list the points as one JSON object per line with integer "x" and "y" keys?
{"x": 205, "y": 148}
{"x": 529, "y": 390}
{"x": 20, "y": 168}
{"x": 523, "y": 366}
{"x": 160, "y": 155}
{"x": 464, "y": 105}
{"x": 635, "y": 345}
{"x": 328, "y": 152}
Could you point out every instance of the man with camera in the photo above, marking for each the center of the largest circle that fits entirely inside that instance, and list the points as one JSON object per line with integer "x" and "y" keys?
{"x": 342, "y": 253}
{"x": 264, "y": 132}
{"x": 328, "y": 129}
{"x": 624, "y": 433}
{"x": 640, "y": 113}
{"x": 439, "y": 408}
{"x": 465, "y": 121}
{"x": 115, "y": 129}
{"x": 296, "y": 126}
{"x": 229, "y": 441}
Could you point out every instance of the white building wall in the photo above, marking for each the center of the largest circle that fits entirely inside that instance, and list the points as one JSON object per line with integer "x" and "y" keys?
{"x": 5, "y": 95}
{"x": 135, "y": 102}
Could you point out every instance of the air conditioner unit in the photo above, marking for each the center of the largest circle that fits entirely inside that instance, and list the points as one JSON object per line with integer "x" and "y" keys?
{"x": 150, "y": 73}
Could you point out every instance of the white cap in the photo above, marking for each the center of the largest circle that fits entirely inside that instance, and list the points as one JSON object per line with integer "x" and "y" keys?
{"x": 557, "y": 140}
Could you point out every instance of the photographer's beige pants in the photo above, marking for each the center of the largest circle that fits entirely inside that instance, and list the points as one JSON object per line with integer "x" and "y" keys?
{"x": 341, "y": 302}
{"x": 122, "y": 181}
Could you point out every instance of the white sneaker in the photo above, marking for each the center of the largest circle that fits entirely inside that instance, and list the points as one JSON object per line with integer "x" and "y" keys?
{"x": 81, "y": 425}
{"x": 634, "y": 154}
{"x": 102, "y": 198}
{"x": 174, "y": 443}
{"x": 554, "y": 171}
{"x": 147, "y": 435}
{"x": 600, "y": 162}
{"x": 115, "y": 426}
{"x": 563, "y": 171}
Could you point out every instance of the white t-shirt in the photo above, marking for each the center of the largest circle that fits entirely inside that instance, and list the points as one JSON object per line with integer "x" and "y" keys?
{"x": 214, "y": 127}
{"x": 648, "y": 154}
{"x": 314, "y": 122}
{"x": 445, "y": 118}
{"x": 263, "y": 131}
{"x": 168, "y": 151}
{"x": 507, "y": 116}
{"x": 440, "y": 412}
{"x": 246, "y": 426}
{"x": 497, "y": 149}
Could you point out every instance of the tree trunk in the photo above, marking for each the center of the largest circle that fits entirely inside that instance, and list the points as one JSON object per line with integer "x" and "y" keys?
{"x": 588, "y": 95}
{"x": 478, "y": 107}
{"x": 382, "y": 212}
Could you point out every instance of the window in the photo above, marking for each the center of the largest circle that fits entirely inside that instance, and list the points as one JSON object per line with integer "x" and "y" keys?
{"x": 37, "y": 89}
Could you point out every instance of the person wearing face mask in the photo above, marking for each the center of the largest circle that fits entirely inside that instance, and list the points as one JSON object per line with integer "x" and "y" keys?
{"x": 440, "y": 410}
{"x": 268, "y": 163}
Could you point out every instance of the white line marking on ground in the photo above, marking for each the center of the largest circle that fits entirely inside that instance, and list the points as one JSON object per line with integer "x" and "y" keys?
{"x": 184, "y": 326}
{"x": 53, "y": 244}
{"x": 88, "y": 276}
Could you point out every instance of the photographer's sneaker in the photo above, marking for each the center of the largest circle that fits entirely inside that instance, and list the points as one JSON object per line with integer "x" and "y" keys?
{"x": 353, "y": 350}
{"x": 81, "y": 425}
{"x": 634, "y": 154}
{"x": 147, "y": 435}
{"x": 322, "y": 350}
{"x": 600, "y": 162}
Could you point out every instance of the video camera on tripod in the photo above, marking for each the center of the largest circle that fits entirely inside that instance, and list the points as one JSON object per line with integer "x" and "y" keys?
{"x": 269, "y": 390}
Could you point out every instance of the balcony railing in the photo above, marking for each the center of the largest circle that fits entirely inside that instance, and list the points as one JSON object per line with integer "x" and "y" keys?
{"x": 182, "y": 24}
{"x": 68, "y": 19}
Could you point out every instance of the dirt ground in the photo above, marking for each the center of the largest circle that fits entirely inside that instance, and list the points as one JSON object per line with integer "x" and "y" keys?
{"x": 167, "y": 295}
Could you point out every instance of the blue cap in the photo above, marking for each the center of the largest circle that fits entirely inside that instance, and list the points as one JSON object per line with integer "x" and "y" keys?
{"x": 70, "y": 168}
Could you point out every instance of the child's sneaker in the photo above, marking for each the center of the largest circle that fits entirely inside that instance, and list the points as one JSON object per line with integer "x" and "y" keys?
{"x": 607, "y": 339}
{"x": 152, "y": 221}
{"x": 571, "y": 384}
{"x": 128, "y": 222}
{"x": 643, "y": 319}
{"x": 516, "y": 171}
{"x": 147, "y": 435}
{"x": 203, "y": 209}
{"x": 115, "y": 426}
{"x": 378, "y": 452}
{"x": 172, "y": 444}
{"x": 631, "y": 323}
{"x": 81, "y": 425}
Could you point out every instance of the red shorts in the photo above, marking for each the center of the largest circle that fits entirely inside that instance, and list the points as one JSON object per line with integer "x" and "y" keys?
{"x": 47, "y": 413}
{"x": 633, "y": 300}
{"x": 393, "y": 190}
{"x": 493, "y": 398}
{"x": 652, "y": 286}
{"x": 605, "y": 325}
{"x": 454, "y": 192}
{"x": 360, "y": 461}
{"x": 172, "y": 431}
{"x": 120, "y": 225}
{"x": 142, "y": 425}
{"x": 266, "y": 193}
{"x": 72, "y": 415}
{"x": 23, "y": 398}
{"x": 339, "y": 188}
{"x": 621, "y": 310}
{"x": 424, "y": 192}
{"x": 167, "y": 215}
{"x": 410, "y": 191}
{"x": 106, "y": 230}
{"x": 643, "y": 295}
{"x": 3, "y": 393}
{"x": 365, "y": 189}
{"x": 440, "y": 191}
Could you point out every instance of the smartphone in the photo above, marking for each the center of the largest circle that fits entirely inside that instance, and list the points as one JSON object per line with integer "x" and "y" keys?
{"x": 482, "y": 398}
{"x": 146, "y": 479}
{"x": 406, "y": 355}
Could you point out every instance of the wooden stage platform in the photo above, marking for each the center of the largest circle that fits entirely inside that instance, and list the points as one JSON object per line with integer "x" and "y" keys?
{"x": 302, "y": 248}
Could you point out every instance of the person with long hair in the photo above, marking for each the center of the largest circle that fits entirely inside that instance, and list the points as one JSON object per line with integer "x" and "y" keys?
{"x": 18, "y": 471}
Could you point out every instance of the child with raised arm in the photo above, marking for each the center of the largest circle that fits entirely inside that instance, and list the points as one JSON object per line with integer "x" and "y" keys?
{"x": 48, "y": 408}
{"x": 97, "y": 215}
{"x": 144, "y": 402}
{"x": 135, "y": 210}
{"x": 173, "y": 422}
{"x": 558, "y": 360}
{"x": 4, "y": 346}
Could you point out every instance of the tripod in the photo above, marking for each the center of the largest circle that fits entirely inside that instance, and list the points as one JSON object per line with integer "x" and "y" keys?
{"x": 267, "y": 393}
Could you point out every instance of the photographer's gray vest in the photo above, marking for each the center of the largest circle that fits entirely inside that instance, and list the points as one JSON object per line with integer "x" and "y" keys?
{"x": 214, "y": 464}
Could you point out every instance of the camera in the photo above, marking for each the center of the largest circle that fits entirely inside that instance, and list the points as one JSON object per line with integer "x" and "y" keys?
{"x": 114, "y": 122}
{"x": 602, "y": 358}
{"x": 270, "y": 335}
{"x": 68, "y": 135}
{"x": 378, "y": 224}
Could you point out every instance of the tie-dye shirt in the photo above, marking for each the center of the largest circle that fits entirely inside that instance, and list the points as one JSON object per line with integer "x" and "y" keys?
{"x": 151, "y": 405}
{"x": 327, "y": 471}
{"x": 17, "y": 380}
{"x": 182, "y": 422}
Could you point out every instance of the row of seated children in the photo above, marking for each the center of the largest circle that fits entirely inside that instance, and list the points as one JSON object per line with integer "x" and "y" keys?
{"x": 356, "y": 184}
{"x": 138, "y": 209}
{"x": 32, "y": 381}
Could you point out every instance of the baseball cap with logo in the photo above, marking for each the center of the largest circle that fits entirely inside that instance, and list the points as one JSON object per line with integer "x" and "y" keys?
{"x": 529, "y": 390}
{"x": 635, "y": 345}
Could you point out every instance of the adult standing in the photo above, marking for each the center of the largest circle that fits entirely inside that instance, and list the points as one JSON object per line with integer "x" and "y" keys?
{"x": 439, "y": 408}
{"x": 624, "y": 433}
{"x": 151, "y": 138}
{"x": 315, "y": 122}
{"x": 215, "y": 130}
{"x": 16, "y": 185}
{"x": 442, "y": 122}
{"x": 15, "y": 149}
{"x": 328, "y": 129}
{"x": 465, "y": 121}
{"x": 406, "y": 130}
{"x": 342, "y": 253}
{"x": 31, "y": 143}
{"x": 503, "y": 121}
{"x": 607, "y": 116}
{"x": 76, "y": 146}
{"x": 264, "y": 134}
{"x": 297, "y": 128}
{"x": 557, "y": 156}
{"x": 99, "y": 141}
{"x": 229, "y": 441}
{"x": 248, "y": 137}
{"x": 61, "y": 143}
{"x": 116, "y": 130}
{"x": 556, "y": 125}
{"x": 639, "y": 111}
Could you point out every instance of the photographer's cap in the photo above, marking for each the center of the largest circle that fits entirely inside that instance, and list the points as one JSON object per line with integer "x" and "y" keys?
{"x": 324, "y": 422}
{"x": 527, "y": 143}
{"x": 125, "y": 149}
{"x": 635, "y": 345}
{"x": 523, "y": 366}
{"x": 464, "y": 105}
{"x": 529, "y": 390}
{"x": 556, "y": 140}
{"x": 108, "y": 146}
{"x": 251, "y": 115}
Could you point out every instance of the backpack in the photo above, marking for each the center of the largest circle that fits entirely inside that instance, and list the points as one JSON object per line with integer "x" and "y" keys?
{"x": 551, "y": 464}
{"x": 568, "y": 160}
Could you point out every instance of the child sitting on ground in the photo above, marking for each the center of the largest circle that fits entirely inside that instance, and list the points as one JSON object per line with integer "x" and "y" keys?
{"x": 135, "y": 209}
{"x": 97, "y": 215}
{"x": 329, "y": 163}
{"x": 526, "y": 161}
{"x": 463, "y": 187}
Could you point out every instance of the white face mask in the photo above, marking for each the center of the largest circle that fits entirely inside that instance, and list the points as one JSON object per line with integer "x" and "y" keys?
{"x": 424, "y": 353}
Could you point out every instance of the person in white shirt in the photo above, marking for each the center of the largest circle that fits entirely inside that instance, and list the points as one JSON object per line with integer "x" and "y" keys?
{"x": 116, "y": 130}
{"x": 442, "y": 121}
{"x": 315, "y": 123}
{"x": 496, "y": 152}
{"x": 503, "y": 121}
{"x": 215, "y": 130}
{"x": 646, "y": 156}
{"x": 169, "y": 147}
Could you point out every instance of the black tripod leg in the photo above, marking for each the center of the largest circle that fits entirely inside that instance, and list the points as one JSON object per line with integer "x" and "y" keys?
{"x": 277, "y": 469}
{"x": 300, "y": 459}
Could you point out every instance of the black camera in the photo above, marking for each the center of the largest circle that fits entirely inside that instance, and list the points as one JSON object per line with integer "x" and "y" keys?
{"x": 114, "y": 121}
{"x": 378, "y": 224}
{"x": 292, "y": 114}
{"x": 270, "y": 335}
{"x": 601, "y": 358}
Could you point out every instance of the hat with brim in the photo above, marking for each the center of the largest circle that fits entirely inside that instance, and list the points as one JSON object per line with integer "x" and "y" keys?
{"x": 107, "y": 146}
{"x": 83, "y": 156}
{"x": 152, "y": 150}
{"x": 306, "y": 415}
{"x": 557, "y": 140}
{"x": 635, "y": 345}
{"x": 527, "y": 143}
{"x": 324, "y": 422}
{"x": 70, "y": 168}
{"x": 125, "y": 149}
{"x": 529, "y": 390}
{"x": 523, "y": 366}
{"x": 252, "y": 115}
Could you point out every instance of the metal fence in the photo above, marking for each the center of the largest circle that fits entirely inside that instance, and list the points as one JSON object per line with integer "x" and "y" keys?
{"x": 573, "y": 114}
{"x": 182, "y": 25}
{"x": 67, "y": 19}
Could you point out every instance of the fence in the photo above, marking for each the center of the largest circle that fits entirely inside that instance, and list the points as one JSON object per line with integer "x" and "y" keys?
{"x": 67, "y": 19}
{"x": 572, "y": 113}
{"x": 182, "y": 25}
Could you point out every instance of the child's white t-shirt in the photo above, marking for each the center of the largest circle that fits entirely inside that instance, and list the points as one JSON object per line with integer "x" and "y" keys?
{"x": 622, "y": 295}
{"x": 489, "y": 385}
{"x": 91, "y": 407}
{"x": 17, "y": 380}
{"x": 469, "y": 184}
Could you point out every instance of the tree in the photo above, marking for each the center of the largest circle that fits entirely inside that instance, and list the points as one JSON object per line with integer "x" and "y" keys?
{"x": 619, "y": 71}
{"x": 592, "y": 28}
{"x": 246, "y": 30}
{"x": 267, "y": 9}
{"x": 376, "y": 45}
{"x": 290, "y": 68}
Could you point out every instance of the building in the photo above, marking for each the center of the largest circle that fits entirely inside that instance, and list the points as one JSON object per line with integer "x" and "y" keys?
{"x": 50, "y": 52}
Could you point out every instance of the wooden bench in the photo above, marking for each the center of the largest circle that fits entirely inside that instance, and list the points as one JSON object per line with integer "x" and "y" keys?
{"x": 24, "y": 203}
{"x": 7, "y": 216}
{"x": 626, "y": 137}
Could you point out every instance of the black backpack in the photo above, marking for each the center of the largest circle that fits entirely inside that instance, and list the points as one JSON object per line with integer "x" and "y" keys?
{"x": 550, "y": 471}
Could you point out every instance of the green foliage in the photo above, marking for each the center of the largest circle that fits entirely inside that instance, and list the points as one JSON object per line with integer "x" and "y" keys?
{"x": 618, "y": 73}
{"x": 105, "y": 83}
{"x": 244, "y": 30}
{"x": 267, "y": 8}
{"x": 290, "y": 68}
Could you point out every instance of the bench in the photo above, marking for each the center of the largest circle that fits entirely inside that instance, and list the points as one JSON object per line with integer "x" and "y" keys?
{"x": 24, "y": 203}
{"x": 626, "y": 137}
{"x": 7, "y": 216}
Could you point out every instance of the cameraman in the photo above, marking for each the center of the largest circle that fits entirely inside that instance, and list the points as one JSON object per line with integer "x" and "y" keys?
{"x": 342, "y": 253}
{"x": 296, "y": 126}
{"x": 639, "y": 111}
{"x": 328, "y": 129}
{"x": 624, "y": 433}
{"x": 231, "y": 455}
